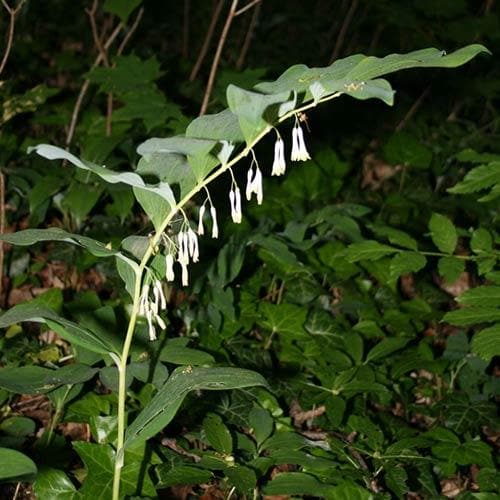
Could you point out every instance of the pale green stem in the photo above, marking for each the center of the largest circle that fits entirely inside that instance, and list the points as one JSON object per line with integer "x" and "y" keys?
{"x": 122, "y": 366}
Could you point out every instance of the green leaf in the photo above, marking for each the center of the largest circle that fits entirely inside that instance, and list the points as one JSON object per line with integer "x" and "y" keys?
{"x": 296, "y": 483}
{"x": 262, "y": 423}
{"x": 54, "y": 484}
{"x": 242, "y": 478}
{"x": 122, "y": 8}
{"x": 182, "y": 355}
{"x": 218, "y": 434}
{"x": 169, "y": 475}
{"x": 31, "y": 236}
{"x": 18, "y": 426}
{"x": 222, "y": 126}
{"x": 368, "y": 250}
{"x": 286, "y": 319}
{"x": 450, "y": 268}
{"x": 395, "y": 236}
{"x": 15, "y": 466}
{"x": 478, "y": 178}
{"x": 38, "y": 380}
{"x": 163, "y": 407}
{"x": 130, "y": 178}
{"x": 256, "y": 111}
{"x": 385, "y": 347}
{"x": 472, "y": 315}
{"x": 443, "y": 233}
{"x": 486, "y": 343}
{"x": 99, "y": 462}
{"x": 406, "y": 262}
{"x": 482, "y": 296}
{"x": 32, "y": 311}
{"x": 481, "y": 241}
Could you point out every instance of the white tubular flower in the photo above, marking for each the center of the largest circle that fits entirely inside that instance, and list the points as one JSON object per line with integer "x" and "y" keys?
{"x": 169, "y": 264}
{"x": 279, "y": 164}
{"x": 144, "y": 301}
{"x": 159, "y": 295}
{"x": 160, "y": 322}
{"x": 215, "y": 227}
{"x": 153, "y": 304}
{"x": 304, "y": 155}
{"x": 235, "y": 199}
{"x": 299, "y": 150}
{"x": 183, "y": 253}
{"x": 258, "y": 186}
{"x": 254, "y": 184}
{"x": 194, "y": 251}
{"x": 201, "y": 230}
{"x": 151, "y": 328}
{"x": 185, "y": 275}
{"x": 249, "y": 189}
{"x": 295, "y": 145}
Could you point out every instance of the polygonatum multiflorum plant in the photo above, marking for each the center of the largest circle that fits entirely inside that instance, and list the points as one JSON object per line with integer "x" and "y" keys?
{"x": 212, "y": 145}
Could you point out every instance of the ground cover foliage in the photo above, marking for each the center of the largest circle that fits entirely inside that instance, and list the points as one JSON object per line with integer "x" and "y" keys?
{"x": 355, "y": 312}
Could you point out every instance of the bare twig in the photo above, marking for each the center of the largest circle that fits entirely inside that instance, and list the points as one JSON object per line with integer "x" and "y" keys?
{"x": 375, "y": 38}
{"x": 402, "y": 124}
{"x": 248, "y": 36}
{"x": 130, "y": 32}
{"x": 218, "y": 52}
{"x": 85, "y": 87}
{"x": 343, "y": 30}
{"x": 208, "y": 38}
{"x": 185, "y": 29}
{"x": 10, "y": 33}
{"x": 97, "y": 40}
{"x": 248, "y": 6}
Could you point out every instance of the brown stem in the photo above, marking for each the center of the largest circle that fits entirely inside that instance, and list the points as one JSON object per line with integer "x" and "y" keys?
{"x": 248, "y": 36}
{"x": 85, "y": 87}
{"x": 375, "y": 38}
{"x": 95, "y": 35}
{"x": 402, "y": 124}
{"x": 109, "y": 114}
{"x": 248, "y": 6}
{"x": 10, "y": 33}
{"x": 130, "y": 32}
{"x": 218, "y": 52}
{"x": 208, "y": 38}
{"x": 343, "y": 30}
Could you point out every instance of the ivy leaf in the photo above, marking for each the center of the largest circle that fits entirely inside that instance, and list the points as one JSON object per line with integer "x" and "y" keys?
{"x": 175, "y": 475}
{"x": 443, "y": 233}
{"x": 54, "y": 484}
{"x": 99, "y": 462}
{"x": 385, "y": 347}
{"x": 286, "y": 319}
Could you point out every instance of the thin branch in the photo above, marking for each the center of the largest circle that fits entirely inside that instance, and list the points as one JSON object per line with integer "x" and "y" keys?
{"x": 218, "y": 52}
{"x": 130, "y": 32}
{"x": 10, "y": 33}
{"x": 248, "y": 6}
{"x": 208, "y": 38}
{"x": 85, "y": 87}
{"x": 343, "y": 30}
{"x": 97, "y": 40}
{"x": 402, "y": 124}
{"x": 248, "y": 36}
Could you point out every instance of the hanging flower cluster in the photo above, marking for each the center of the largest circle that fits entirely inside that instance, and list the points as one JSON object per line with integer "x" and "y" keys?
{"x": 150, "y": 307}
{"x": 185, "y": 249}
